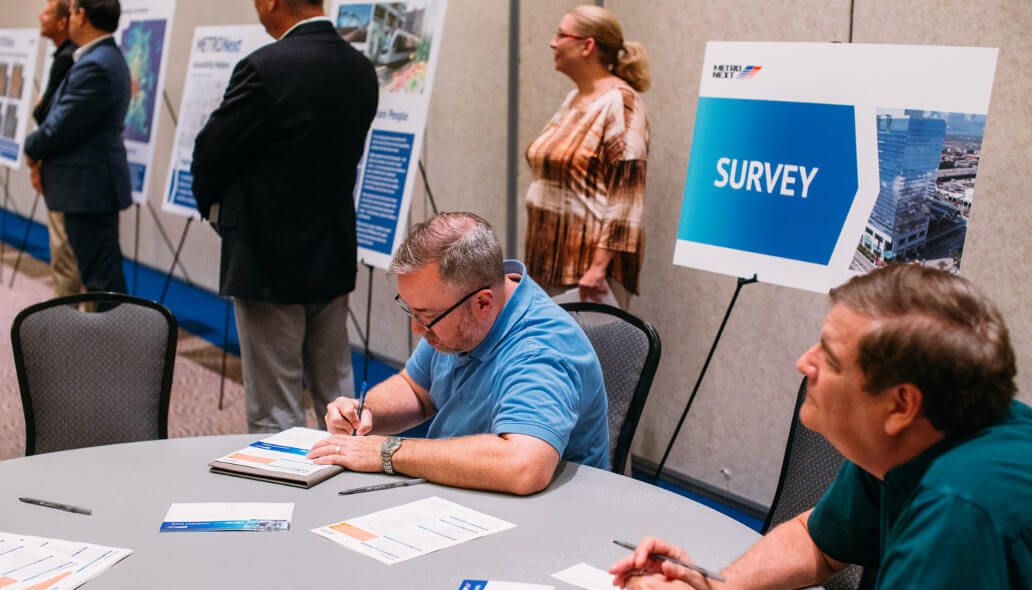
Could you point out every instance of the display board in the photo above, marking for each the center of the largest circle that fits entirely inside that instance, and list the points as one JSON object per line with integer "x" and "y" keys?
{"x": 403, "y": 40}
{"x": 144, "y": 34}
{"x": 813, "y": 162}
{"x": 214, "y": 53}
{"x": 19, "y": 50}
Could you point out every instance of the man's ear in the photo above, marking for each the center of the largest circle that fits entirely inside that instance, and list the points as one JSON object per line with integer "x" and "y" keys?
{"x": 904, "y": 406}
{"x": 484, "y": 300}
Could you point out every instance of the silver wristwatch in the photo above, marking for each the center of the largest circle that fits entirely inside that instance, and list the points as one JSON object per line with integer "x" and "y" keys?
{"x": 387, "y": 450}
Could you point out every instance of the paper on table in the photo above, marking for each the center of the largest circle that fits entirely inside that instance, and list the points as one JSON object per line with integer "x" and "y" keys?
{"x": 410, "y": 530}
{"x": 495, "y": 585}
{"x": 284, "y": 452}
{"x": 586, "y": 576}
{"x": 54, "y": 564}
{"x": 225, "y": 516}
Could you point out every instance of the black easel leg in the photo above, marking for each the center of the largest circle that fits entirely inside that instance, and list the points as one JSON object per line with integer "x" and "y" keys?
{"x": 368, "y": 317}
{"x": 426, "y": 186}
{"x": 24, "y": 241}
{"x": 698, "y": 382}
{"x": 168, "y": 242}
{"x": 175, "y": 260}
{"x": 136, "y": 254}
{"x": 225, "y": 348}
{"x": 3, "y": 222}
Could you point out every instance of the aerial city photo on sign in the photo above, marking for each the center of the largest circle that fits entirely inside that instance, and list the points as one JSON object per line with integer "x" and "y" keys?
{"x": 927, "y": 163}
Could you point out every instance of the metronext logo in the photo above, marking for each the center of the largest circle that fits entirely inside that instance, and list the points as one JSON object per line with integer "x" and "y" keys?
{"x": 735, "y": 72}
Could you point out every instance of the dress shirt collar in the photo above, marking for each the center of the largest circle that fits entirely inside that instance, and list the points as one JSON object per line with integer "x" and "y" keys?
{"x": 306, "y": 21}
{"x": 85, "y": 48}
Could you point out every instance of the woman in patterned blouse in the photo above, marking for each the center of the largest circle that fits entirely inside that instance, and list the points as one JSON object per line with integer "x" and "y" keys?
{"x": 586, "y": 199}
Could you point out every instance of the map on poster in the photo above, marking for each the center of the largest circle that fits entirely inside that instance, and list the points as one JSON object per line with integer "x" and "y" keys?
{"x": 403, "y": 40}
{"x": 214, "y": 53}
{"x": 813, "y": 162}
{"x": 19, "y": 49}
{"x": 144, "y": 35}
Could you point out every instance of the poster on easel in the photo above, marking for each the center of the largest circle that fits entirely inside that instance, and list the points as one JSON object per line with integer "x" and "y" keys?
{"x": 19, "y": 51}
{"x": 144, "y": 35}
{"x": 814, "y": 162}
{"x": 403, "y": 40}
{"x": 213, "y": 55}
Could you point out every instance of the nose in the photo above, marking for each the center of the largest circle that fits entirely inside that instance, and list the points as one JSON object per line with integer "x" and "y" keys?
{"x": 805, "y": 363}
{"x": 418, "y": 329}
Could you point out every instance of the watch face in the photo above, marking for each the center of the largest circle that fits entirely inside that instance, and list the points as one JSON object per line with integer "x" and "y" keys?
{"x": 390, "y": 445}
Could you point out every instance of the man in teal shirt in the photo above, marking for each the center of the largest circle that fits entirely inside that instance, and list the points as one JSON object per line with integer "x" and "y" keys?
{"x": 913, "y": 382}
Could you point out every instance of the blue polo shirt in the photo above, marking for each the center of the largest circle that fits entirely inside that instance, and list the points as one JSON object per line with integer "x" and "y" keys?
{"x": 959, "y": 515}
{"x": 535, "y": 373}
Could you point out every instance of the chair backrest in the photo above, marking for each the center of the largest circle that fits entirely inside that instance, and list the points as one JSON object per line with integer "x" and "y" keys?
{"x": 809, "y": 467}
{"x": 628, "y": 349}
{"x": 90, "y": 379}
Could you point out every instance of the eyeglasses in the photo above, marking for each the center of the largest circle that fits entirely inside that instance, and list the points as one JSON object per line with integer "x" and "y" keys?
{"x": 430, "y": 325}
{"x": 562, "y": 35}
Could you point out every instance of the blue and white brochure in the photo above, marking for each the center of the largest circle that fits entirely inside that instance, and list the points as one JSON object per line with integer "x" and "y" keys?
{"x": 226, "y": 516}
{"x": 285, "y": 452}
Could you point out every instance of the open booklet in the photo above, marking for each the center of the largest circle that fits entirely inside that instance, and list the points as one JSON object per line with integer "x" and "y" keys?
{"x": 280, "y": 458}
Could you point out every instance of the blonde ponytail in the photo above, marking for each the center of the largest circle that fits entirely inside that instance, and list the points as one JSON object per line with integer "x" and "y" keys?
{"x": 632, "y": 66}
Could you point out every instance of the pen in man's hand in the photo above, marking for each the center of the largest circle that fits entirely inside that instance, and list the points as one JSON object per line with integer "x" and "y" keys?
{"x": 382, "y": 486}
{"x": 705, "y": 572}
{"x": 361, "y": 406}
{"x": 57, "y": 505}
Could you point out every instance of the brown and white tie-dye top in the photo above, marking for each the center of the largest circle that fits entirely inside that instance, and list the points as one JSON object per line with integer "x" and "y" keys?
{"x": 588, "y": 189}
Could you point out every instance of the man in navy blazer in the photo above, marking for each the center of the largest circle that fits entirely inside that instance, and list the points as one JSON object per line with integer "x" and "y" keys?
{"x": 274, "y": 168}
{"x": 85, "y": 173}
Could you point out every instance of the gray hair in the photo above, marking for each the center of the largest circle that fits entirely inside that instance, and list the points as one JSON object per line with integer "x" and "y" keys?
{"x": 463, "y": 245}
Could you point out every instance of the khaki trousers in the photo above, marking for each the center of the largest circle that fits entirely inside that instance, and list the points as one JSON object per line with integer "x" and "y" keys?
{"x": 63, "y": 268}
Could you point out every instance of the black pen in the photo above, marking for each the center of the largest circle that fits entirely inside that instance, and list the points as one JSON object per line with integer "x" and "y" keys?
{"x": 705, "y": 572}
{"x": 361, "y": 405}
{"x": 383, "y": 486}
{"x": 58, "y": 505}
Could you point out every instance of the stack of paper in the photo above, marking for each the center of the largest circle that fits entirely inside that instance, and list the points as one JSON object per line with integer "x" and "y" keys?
{"x": 35, "y": 562}
{"x": 412, "y": 529}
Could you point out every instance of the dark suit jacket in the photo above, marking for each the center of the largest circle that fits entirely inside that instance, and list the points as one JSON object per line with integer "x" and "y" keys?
{"x": 58, "y": 70}
{"x": 80, "y": 142}
{"x": 280, "y": 155}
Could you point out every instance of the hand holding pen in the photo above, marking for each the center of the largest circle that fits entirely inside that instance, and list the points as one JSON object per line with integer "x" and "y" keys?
{"x": 653, "y": 556}
{"x": 342, "y": 416}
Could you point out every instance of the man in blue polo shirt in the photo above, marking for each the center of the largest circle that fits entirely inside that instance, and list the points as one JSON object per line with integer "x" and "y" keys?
{"x": 913, "y": 382}
{"x": 511, "y": 383}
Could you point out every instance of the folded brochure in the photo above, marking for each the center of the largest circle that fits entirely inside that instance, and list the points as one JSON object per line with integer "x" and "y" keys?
{"x": 280, "y": 458}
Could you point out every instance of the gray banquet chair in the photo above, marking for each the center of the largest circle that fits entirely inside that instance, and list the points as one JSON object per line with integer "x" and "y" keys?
{"x": 809, "y": 467}
{"x": 628, "y": 349}
{"x": 90, "y": 379}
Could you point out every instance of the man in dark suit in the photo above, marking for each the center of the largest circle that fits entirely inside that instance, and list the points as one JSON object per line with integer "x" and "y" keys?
{"x": 84, "y": 171}
{"x": 53, "y": 24}
{"x": 274, "y": 169}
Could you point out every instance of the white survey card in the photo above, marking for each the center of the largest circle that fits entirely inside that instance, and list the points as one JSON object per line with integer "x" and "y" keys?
{"x": 410, "y": 530}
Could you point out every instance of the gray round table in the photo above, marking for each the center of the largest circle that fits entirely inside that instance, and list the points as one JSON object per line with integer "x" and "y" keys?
{"x": 129, "y": 487}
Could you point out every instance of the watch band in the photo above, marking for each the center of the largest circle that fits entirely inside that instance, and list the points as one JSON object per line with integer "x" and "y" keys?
{"x": 387, "y": 450}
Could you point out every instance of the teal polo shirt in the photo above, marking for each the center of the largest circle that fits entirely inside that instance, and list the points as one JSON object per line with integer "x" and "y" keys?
{"x": 535, "y": 373}
{"x": 958, "y": 515}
